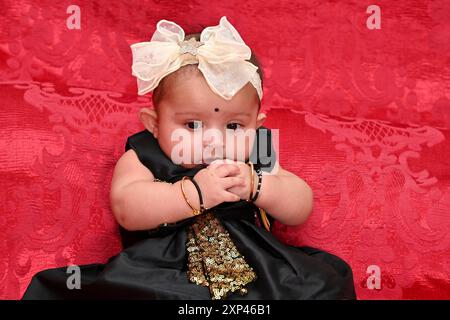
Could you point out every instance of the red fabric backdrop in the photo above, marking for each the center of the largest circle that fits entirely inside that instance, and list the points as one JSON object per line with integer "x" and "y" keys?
{"x": 363, "y": 116}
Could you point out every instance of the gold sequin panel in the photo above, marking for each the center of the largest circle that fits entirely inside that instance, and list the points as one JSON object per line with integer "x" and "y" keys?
{"x": 213, "y": 259}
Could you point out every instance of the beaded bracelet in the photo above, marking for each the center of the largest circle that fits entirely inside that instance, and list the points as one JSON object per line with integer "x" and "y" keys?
{"x": 259, "y": 173}
{"x": 258, "y": 188}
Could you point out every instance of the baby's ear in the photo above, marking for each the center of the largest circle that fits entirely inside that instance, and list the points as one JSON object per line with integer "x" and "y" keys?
{"x": 260, "y": 120}
{"x": 149, "y": 119}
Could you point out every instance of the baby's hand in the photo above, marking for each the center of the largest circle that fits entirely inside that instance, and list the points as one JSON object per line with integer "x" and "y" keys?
{"x": 214, "y": 182}
{"x": 244, "y": 173}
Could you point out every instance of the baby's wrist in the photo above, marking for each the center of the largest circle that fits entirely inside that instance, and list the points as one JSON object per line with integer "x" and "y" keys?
{"x": 191, "y": 195}
{"x": 257, "y": 182}
{"x": 264, "y": 196}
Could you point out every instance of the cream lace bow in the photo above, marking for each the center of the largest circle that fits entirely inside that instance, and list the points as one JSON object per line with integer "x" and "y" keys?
{"x": 221, "y": 55}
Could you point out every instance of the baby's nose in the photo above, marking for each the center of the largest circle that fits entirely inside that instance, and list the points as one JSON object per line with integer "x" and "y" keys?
{"x": 213, "y": 149}
{"x": 213, "y": 140}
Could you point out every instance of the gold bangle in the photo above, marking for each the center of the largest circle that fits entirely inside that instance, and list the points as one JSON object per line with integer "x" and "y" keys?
{"x": 252, "y": 183}
{"x": 264, "y": 218}
{"x": 195, "y": 212}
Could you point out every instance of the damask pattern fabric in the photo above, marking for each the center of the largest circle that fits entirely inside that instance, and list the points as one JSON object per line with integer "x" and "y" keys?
{"x": 363, "y": 116}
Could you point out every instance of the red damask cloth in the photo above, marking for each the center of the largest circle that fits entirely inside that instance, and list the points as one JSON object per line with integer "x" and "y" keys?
{"x": 362, "y": 115}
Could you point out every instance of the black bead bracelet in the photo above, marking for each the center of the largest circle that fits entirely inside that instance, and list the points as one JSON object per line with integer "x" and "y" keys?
{"x": 258, "y": 188}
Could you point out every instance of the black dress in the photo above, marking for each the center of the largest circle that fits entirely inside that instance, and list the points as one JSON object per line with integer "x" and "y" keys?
{"x": 153, "y": 264}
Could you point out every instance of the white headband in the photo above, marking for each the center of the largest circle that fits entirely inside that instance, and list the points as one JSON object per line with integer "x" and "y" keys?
{"x": 221, "y": 55}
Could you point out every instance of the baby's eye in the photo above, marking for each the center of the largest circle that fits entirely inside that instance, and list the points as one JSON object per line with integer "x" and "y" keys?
{"x": 234, "y": 126}
{"x": 194, "y": 125}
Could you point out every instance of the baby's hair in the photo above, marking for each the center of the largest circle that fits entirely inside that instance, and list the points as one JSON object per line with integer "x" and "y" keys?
{"x": 158, "y": 92}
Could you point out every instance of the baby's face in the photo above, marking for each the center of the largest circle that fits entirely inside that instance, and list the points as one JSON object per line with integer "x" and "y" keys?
{"x": 196, "y": 126}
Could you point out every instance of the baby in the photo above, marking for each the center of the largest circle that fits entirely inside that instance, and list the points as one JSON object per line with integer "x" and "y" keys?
{"x": 184, "y": 100}
{"x": 197, "y": 236}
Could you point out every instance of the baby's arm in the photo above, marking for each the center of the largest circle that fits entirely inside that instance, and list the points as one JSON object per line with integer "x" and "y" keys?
{"x": 138, "y": 203}
{"x": 288, "y": 198}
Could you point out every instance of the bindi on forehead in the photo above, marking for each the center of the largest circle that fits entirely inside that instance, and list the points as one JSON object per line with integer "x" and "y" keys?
{"x": 216, "y": 109}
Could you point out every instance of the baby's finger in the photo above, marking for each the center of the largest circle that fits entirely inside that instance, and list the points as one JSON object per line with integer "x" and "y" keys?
{"x": 231, "y": 197}
{"x": 218, "y": 162}
{"x": 225, "y": 170}
{"x": 230, "y": 182}
{"x": 215, "y": 164}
